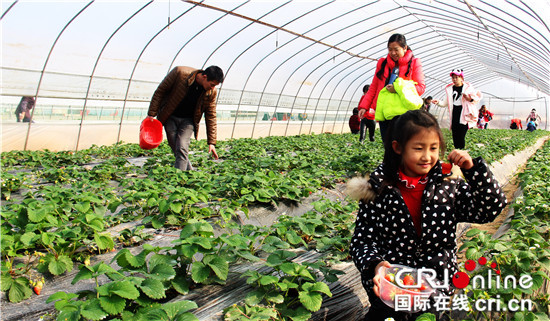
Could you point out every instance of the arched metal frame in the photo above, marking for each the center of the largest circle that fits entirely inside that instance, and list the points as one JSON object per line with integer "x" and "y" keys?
{"x": 95, "y": 67}
{"x": 491, "y": 39}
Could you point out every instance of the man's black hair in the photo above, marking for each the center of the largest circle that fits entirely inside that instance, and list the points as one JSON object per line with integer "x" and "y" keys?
{"x": 214, "y": 73}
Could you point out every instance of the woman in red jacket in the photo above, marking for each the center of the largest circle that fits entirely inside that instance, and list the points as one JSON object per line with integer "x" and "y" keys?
{"x": 400, "y": 62}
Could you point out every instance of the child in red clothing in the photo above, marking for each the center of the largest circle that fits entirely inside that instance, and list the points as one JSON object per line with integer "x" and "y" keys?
{"x": 354, "y": 121}
{"x": 410, "y": 206}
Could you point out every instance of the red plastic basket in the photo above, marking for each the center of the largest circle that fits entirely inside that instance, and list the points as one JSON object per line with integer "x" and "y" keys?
{"x": 150, "y": 133}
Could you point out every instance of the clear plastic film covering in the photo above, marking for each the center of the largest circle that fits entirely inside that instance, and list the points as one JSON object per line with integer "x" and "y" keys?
{"x": 291, "y": 67}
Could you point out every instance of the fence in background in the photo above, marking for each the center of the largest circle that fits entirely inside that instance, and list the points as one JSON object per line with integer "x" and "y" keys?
{"x": 78, "y": 101}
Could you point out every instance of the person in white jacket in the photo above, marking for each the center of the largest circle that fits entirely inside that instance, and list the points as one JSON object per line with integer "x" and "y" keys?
{"x": 462, "y": 99}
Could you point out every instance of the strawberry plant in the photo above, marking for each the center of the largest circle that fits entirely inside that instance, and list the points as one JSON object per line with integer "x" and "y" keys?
{"x": 11, "y": 183}
{"x": 523, "y": 250}
{"x": 15, "y": 276}
{"x": 126, "y": 297}
{"x": 197, "y": 237}
{"x": 292, "y": 289}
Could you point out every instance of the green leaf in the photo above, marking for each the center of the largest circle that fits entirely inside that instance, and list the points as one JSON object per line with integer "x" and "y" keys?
{"x": 82, "y": 207}
{"x": 199, "y": 272}
{"x": 125, "y": 289}
{"x": 473, "y": 232}
{"x": 61, "y": 296}
{"x": 153, "y": 288}
{"x": 538, "y": 280}
{"x": 46, "y": 239}
{"x": 5, "y": 282}
{"x": 180, "y": 284}
{"x": 60, "y": 264}
{"x": 541, "y": 316}
{"x": 473, "y": 254}
{"x": 318, "y": 287}
{"x": 124, "y": 258}
{"x": 218, "y": 265}
{"x": 27, "y": 238}
{"x": 157, "y": 259}
{"x": 299, "y": 314}
{"x": 112, "y": 304}
{"x": 202, "y": 241}
{"x": 69, "y": 316}
{"x": 176, "y": 207}
{"x": 310, "y": 300}
{"x": 84, "y": 274}
{"x": 97, "y": 224}
{"x": 186, "y": 316}
{"x": 104, "y": 241}
{"x": 174, "y": 308}
{"x": 275, "y": 298}
{"x": 153, "y": 314}
{"x": 255, "y": 297}
{"x": 19, "y": 290}
{"x": 293, "y": 237}
{"x": 158, "y": 222}
{"x": 426, "y": 317}
{"x": 268, "y": 279}
{"x": 37, "y": 215}
{"x": 102, "y": 268}
{"x": 163, "y": 272}
{"x": 91, "y": 309}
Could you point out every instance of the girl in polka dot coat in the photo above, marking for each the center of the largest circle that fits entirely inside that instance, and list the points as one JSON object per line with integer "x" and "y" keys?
{"x": 410, "y": 206}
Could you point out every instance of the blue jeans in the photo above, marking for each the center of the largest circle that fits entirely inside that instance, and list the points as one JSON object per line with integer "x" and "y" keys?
{"x": 178, "y": 132}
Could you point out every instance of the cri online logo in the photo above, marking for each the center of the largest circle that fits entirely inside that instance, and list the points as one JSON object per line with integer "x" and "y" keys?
{"x": 462, "y": 279}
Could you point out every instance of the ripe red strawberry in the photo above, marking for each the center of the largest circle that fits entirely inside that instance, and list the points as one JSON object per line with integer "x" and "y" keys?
{"x": 408, "y": 280}
{"x": 422, "y": 287}
{"x": 38, "y": 287}
{"x": 390, "y": 277}
{"x": 446, "y": 168}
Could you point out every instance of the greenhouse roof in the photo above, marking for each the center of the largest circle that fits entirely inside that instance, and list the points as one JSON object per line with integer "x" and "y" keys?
{"x": 303, "y": 48}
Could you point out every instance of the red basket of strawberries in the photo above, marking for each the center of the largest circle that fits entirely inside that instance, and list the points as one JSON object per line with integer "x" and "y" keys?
{"x": 403, "y": 288}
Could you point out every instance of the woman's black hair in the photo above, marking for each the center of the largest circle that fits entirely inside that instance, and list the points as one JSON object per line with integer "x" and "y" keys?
{"x": 400, "y": 39}
{"x": 355, "y": 111}
{"x": 401, "y": 129}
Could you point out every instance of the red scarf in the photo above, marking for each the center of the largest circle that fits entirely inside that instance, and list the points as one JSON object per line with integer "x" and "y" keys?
{"x": 412, "y": 189}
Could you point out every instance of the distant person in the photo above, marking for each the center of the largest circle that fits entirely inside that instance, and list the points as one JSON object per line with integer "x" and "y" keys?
{"x": 354, "y": 121}
{"x": 368, "y": 119}
{"x": 516, "y": 124}
{"x": 179, "y": 102}
{"x": 427, "y": 103}
{"x": 531, "y": 126}
{"x": 399, "y": 63}
{"x": 23, "y": 110}
{"x": 534, "y": 117}
{"x": 484, "y": 117}
{"x": 462, "y": 99}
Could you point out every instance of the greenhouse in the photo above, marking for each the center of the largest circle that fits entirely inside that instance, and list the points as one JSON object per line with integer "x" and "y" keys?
{"x": 100, "y": 223}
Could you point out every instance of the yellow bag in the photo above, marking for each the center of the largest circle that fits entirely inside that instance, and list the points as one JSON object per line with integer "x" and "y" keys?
{"x": 405, "y": 98}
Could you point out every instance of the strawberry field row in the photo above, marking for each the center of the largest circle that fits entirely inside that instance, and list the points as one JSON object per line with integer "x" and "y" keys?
{"x": 57, "y": 205}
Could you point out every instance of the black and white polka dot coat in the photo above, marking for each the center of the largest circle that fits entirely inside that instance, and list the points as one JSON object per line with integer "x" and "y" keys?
{"x": 384, "y": 228}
